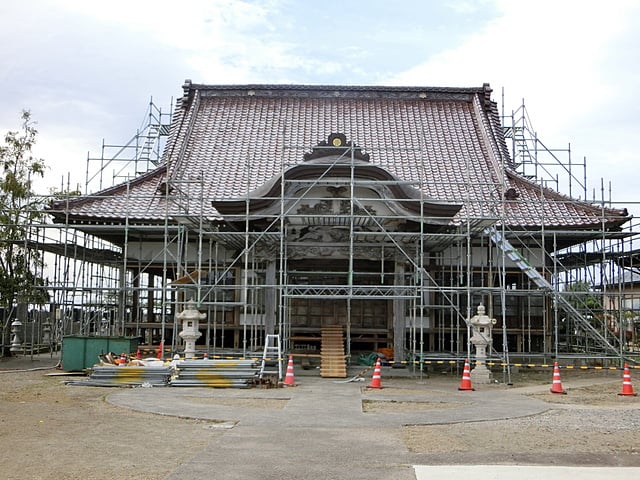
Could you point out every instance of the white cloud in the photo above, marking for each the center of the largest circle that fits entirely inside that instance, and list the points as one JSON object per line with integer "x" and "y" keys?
{"x": 563, "y": 58}
{"x": 222, "y": 41}
{"x": 466, "y": 6}
{"x": 548, "y": 51}
{"x": 92, "y": 65}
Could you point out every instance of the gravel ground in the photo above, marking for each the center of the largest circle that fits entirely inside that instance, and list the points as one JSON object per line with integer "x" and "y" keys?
{"x": 49, "y": 430}
{"x": 591, "y": 425}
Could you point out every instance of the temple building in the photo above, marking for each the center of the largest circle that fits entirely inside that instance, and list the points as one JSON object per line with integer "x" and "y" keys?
{"x": 389, "y": 212}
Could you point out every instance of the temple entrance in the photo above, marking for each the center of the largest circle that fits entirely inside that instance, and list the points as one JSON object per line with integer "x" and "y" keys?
{"x": 315, "y": 313}
{"x": 367, "y": 323}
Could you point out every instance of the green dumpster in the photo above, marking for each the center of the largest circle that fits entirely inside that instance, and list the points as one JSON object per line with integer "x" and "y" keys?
{"x": 82, "y": 352}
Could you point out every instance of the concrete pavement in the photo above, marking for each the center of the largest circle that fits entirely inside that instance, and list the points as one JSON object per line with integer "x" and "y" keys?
{"x": 523, "y": 472}
{"x": 322, "y": 403}
{"x": 320, "y": 430}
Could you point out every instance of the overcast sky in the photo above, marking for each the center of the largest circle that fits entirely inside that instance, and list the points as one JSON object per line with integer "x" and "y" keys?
{"x": 87, "y": 70}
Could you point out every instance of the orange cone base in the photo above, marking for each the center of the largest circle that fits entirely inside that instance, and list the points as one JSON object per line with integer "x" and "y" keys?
{"x": 557, "y": 390}
{"x": 628, "y": 394}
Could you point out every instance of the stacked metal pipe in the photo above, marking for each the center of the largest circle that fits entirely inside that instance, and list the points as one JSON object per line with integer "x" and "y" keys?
{"x": 216, "y": 373}
{"x": 131, "y": 376}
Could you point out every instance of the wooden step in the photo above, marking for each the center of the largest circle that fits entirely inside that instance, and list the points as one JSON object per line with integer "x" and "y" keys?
{"x": 332, "y": 357}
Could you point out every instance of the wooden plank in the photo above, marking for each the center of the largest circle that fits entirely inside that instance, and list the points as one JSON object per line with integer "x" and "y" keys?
{"x": 332, "y": 357}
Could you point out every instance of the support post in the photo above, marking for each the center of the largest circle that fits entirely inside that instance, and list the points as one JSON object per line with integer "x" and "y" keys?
{"x": 270, "y": 299}
{"x": 399, "y": 315}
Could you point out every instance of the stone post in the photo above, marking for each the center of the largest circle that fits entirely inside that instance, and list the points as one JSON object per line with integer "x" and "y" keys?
{"x": 190, "y": 317}
{"x": 46, "y": 331}
{"x": 16, "y": 343}
{"x": 481, "y": 326}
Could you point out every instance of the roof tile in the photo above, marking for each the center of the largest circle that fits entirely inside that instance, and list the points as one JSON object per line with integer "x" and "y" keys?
{"x": 449, "y": 143}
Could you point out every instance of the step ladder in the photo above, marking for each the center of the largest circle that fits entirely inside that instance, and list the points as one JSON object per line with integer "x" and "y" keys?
{"x": 536, "y": 277}
{"x": 332, "y": 357}
{"x": 271, "y": 357}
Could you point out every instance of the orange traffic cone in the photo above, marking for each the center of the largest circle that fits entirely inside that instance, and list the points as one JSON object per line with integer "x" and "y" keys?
{"x": 123, "y": 360}
{"x": 465, "y": 383}
{"x": 205, "y": 356}
{"x": 289, "y": 378}
{"x": 138, "y": 354}
{"x": 376, "y": 379}
{"x": 556, "y": 386}
{"x": 160, "y": 351}
{"x": 627, "y": 388}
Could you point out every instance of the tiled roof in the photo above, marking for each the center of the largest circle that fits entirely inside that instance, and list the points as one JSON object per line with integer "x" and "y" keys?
{"x": 229, "y": 140}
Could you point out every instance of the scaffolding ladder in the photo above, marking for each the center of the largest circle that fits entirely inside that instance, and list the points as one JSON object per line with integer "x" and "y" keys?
{"x": 272, "y": 354}
{"x": 538, "y": 279}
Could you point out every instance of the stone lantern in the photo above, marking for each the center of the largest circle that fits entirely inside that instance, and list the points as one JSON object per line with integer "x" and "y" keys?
{"x": 16, "y": 343}
{"x": 190, "y": 317}
{"x": 481, "y": 326}
{"x": 46, "y": 331}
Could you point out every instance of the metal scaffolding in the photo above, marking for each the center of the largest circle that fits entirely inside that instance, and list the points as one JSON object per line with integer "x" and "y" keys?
{"x": 552, "y": 297}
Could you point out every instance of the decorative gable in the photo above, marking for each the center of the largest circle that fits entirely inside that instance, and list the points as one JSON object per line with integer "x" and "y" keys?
{"x": 336, "y": 145}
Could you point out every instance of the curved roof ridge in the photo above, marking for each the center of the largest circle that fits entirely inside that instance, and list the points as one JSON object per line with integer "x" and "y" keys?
{"x": 487, "y": 135}
{"x": 188, "y": 85}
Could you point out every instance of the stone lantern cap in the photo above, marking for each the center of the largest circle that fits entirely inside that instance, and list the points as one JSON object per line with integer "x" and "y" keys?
{"x": 191, "y": 312}
{"x": 481, "y": 319}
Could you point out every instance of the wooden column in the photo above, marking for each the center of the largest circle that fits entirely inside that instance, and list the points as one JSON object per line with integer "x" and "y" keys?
{"x": 150, "y": 298}
{"x": 270, "y": 299}
{"x": 399, "y": 315}
{"x": 135, "y": 299}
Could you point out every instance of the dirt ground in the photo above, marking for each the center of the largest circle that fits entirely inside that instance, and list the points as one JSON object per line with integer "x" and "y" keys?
{"x": 49, "y": 430}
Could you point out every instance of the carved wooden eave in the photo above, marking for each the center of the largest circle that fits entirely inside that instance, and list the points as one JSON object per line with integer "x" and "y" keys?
{"x": 335, "y": 167}
{"x": 336, "y": 183}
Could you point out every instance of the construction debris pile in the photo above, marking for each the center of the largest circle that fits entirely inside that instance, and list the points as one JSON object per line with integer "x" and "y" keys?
{"x": 151, "y": 372}
{"x": 216, "y": 373}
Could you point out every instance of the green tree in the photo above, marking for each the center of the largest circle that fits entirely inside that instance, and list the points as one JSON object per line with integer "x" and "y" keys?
{"x": 583, "y": 298}
{"x": 20, "y": 208}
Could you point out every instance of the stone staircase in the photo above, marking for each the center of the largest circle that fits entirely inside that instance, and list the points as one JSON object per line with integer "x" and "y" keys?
{"x": 332, "y": 357}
